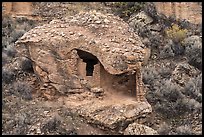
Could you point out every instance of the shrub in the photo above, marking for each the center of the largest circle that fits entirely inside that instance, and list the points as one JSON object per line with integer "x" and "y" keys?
{"x": 176, "y": 33}
{"x": 184, "y": 24}
{"x": 193, "y": 51}
{"x": 21, "y": 20}
{"x": 7, "y": 22}
{"x": 186, "y": 106}
{"x": 151, "y": 11}
{"x": 143, "y": 32}
{"x": 22, "y": 124}
{"x": 193, "y": 88}
{"x": 4, "y": 58}
{"x": 22, "y": 89}
{"x": 170, "y": 91}
{"x": 156, "y": 40}
{"x": 165, "y": 72}
{"x": 178, "y": 49}
{"x": 164, "y": 129}
{"x": 177, "y": 107}
{"x": 7, "y": 27}
{"x": 8, "y": 76}
{"x": 150, "y": 74}
{"x": 169, "y": 95}
{"x": 166, "y": 51}
{"x": 10, "y": 33}
{"x": 10, "y": 51}
{"x": 126, "y": 9}
{"x": 17, "y": 34}
{"x": 51, "y": 125}
{"x": 26, "y": 65}
{"x": 5, "y": 42}
{"x": 171, "y": 103}
{"x": 184, "y": 130}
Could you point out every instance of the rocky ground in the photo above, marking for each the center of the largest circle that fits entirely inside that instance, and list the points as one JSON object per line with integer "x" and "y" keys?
{"x": 172, "y": 78}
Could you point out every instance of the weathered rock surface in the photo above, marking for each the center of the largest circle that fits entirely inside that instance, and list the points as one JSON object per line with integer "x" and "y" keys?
{"x": 107, "y": 113}
{"x": 52, "y": 47}
{"x": 138, "y": 129}
{"x": 190, "y": 11}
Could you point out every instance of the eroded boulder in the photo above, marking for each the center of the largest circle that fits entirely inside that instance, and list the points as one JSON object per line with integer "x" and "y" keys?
{"x": 53, "y": 48}
{"x": 138, "y": 129}
{"x": 183, "y": 73}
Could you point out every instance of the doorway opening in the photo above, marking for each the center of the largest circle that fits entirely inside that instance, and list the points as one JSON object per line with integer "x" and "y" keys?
{"x": 90, "y": 66}
{"x": 90, "y": 61}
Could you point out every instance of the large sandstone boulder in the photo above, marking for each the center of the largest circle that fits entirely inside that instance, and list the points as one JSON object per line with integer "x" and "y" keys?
{"x": 54, "y": 50}
{"x": 52, "y": 47}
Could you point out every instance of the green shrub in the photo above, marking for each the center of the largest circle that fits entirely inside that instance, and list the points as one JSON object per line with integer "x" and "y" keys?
{"x": 176, "y": 33}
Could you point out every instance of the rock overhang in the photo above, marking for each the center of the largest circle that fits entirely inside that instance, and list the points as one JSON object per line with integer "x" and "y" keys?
{"x": 107, "y": 37}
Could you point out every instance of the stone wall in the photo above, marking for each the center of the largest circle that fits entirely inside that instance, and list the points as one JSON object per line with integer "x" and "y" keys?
{"x": 95, "y": 79}
{"x": 111, "y": 83}
{"x": 191, "y": 11}
{"x": 123, "y": 84}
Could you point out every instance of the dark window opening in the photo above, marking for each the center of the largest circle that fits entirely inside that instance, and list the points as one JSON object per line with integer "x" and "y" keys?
{"x": 90, "y": 61}
{"x": 90, "y": 66}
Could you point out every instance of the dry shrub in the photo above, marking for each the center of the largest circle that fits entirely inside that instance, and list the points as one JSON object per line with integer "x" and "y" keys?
{"x": 8, "y": 76}
{"x": 176, "y": 33}
{"x": 184, "y": 130}
{"x": 23, "y": 90}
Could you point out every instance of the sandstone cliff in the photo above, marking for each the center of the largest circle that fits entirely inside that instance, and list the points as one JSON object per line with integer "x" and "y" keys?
{"x": 191, "y": 11}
